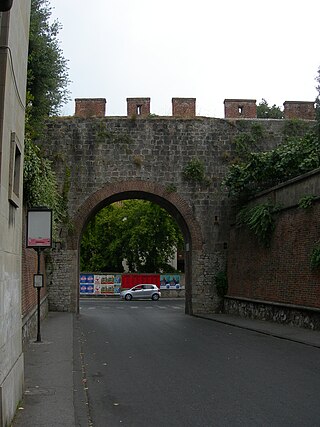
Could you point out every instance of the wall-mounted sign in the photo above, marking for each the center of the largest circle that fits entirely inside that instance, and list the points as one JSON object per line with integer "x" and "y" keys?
{"x": 39, "y": 228}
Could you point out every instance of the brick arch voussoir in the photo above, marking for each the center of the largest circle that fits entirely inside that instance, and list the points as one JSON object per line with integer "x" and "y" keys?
{"x": 148, "y": 188}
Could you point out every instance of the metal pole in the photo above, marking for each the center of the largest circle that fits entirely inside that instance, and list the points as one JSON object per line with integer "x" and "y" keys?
{"x": 38, "y": 290}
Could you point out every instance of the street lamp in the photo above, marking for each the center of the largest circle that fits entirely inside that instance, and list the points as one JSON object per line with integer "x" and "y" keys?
{"x": 39, "y": 237}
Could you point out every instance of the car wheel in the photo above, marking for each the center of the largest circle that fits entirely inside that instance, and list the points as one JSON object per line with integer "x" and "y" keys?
{"x": 155, "y": 297}
{"x": 128, "y": 297}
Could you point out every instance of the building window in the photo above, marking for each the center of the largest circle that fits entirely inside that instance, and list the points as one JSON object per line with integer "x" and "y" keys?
{"x": 15, "y": 170}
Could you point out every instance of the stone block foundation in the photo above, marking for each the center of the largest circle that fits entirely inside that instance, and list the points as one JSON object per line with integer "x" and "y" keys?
{"x": 287, "y": 314}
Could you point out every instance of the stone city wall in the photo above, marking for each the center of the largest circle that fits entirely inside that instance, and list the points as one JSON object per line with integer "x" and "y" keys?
{"x": 101, "y": 160}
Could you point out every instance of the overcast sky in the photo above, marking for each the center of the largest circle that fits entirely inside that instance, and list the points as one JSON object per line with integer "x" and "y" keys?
{"x": 204, "y": 49}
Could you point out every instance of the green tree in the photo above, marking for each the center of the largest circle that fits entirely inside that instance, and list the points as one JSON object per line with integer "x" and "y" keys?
{"x": 266, "y": 112}
{"x": 136, "y": 230}
{"x": 47, "y": 80}
{"x": 101, "y": 243}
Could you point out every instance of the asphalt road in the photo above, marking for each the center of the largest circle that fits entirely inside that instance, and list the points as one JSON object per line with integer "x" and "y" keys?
{"x": 147, "y": 364}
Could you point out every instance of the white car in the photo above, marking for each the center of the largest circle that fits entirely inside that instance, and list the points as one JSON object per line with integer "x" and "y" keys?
{"x": 144, "y": 290}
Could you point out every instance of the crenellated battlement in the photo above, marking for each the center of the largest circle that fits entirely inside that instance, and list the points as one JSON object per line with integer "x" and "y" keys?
{"x": 240, "y": 108}
{"x": 183, "y": 107}
{"x": 90, "y": 107}
{"x": 139, "y": 107}
{"x": 186, "y": 108}
{"x": 299, "y": 110}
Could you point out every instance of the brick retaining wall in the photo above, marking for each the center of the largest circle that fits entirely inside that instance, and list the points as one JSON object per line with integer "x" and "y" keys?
{"x": 280, "y": 273}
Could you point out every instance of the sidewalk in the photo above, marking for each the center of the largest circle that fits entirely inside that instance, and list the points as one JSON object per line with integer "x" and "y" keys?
{"x": 48, "y": 398}
{"x": 286, "y": 332}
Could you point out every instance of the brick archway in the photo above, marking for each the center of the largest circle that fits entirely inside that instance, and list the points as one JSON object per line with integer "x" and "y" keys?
{"x": 137, "y": 189}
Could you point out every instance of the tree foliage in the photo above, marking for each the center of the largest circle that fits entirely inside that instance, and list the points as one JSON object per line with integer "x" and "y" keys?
{"x": 47, "y": 78}
{"x": 140, "y": 232}
{"x": 264, "y": 111}
{"x": 263, "y": 170}
{"x": 47, "y": 82}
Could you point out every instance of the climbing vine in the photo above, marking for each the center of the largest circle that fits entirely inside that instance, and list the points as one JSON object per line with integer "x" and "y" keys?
{"x": 261, "y": 170}
{"x": 294, "y": 128}
{"x": 39, "y": 182}
{"x": 260, "y": 220}
{"x": 306, "y": 202}
{"x": 315, "y": 256}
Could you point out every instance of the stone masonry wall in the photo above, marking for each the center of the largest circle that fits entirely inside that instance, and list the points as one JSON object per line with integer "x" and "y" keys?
{"x": 59, "y": 268}
{"x": 299, "y": 316}
{"x": 99, "y": 151}
{"x": 92, "y": 155}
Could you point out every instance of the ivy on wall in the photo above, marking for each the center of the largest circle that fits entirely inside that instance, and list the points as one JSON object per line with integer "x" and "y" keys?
{"x": 260, "y": 220}
{"x": 306, "y": 201}
{"x": 39, "y": 182}
{"x": 315, "y": 256}
{"x": 253, "y": 171}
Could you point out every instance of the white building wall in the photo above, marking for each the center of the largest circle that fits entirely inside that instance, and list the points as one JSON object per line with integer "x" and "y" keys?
{"x": 13, "y": 67}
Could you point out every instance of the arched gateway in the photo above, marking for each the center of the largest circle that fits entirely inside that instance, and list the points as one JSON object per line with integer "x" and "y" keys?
{"x": 64, "y": 295}
{"x": 155, "y": 193}
{"x": 177, "y": 162}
